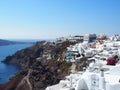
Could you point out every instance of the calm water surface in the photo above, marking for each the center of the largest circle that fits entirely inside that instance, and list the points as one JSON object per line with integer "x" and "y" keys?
{"x": 6, "y": 71}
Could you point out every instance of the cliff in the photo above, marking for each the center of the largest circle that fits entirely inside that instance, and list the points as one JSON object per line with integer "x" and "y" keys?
{"x": 41, "y": 65}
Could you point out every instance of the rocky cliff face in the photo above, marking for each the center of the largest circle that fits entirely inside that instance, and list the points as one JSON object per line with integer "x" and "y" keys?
{"x": 41, "y": 65}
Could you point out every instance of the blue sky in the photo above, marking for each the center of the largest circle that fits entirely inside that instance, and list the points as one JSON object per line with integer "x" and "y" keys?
{"x": 37, "y": 19}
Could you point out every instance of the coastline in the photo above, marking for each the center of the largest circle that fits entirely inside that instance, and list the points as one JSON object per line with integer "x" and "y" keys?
{"x": 45, "y": 60}
{"x": 12, "y": 69}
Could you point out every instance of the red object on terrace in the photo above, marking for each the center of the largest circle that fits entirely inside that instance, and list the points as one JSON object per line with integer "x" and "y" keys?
{"x": 111, "y": 61}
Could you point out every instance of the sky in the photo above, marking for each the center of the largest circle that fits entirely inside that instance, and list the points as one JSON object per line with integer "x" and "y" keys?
{"x": 40, "y": 19}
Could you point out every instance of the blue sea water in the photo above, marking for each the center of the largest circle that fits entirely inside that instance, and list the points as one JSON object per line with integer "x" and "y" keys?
{"x": 7, "y": 71}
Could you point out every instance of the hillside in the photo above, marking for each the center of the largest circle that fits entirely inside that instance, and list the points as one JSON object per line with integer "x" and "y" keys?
{"x": 41, "y": 65}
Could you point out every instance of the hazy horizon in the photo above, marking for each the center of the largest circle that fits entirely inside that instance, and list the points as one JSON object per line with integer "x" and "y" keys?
{"x": 44, "y": 19}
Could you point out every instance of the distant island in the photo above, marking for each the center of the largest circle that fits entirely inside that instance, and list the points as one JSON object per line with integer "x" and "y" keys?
{"x": 8, "y": 42}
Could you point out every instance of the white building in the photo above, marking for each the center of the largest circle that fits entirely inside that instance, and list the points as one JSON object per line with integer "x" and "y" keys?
{"x": 90, "y": 37}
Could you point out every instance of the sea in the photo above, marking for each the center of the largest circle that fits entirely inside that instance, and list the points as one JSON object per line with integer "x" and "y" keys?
{"x": 6, "y": 70}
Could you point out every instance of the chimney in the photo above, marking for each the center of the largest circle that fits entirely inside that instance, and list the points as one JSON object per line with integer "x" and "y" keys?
{"x": 102, "y": 73}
